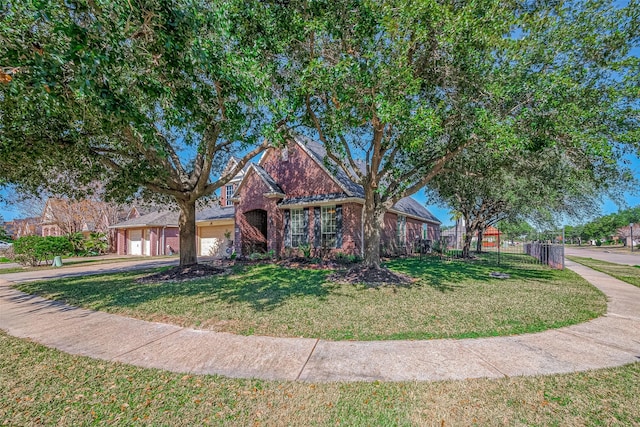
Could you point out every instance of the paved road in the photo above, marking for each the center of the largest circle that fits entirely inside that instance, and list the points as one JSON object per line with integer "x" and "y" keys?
{"x": 604, "y": 255}
{"x": 611, "y": 340}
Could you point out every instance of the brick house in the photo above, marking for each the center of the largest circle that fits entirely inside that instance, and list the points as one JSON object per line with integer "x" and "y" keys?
{"x": 292, "y": 198}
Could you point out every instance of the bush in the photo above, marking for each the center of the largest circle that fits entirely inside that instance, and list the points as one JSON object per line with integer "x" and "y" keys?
{"x": 306, "y": 250}
{"x": 346, "y": 259}
{"x": 32, "y": 250}
{"x": 598, "y": 242}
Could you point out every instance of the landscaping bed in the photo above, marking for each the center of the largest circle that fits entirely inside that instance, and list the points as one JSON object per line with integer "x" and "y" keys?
{"x": 443, "y": 300}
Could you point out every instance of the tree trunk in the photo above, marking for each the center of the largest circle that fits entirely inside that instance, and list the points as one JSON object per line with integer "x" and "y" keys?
{"x": 466, "y": 247}
{"x": 373, "y": 222}
{"x": 479, "y": 242}
{"x": 187, "y": 226}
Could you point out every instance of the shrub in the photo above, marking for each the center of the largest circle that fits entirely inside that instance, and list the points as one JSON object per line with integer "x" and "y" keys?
{"x": 346, "y": 259}
{"x": 598, "y": 242}
{"x": 96, "y": 243}
{"x": 32, "y": 250}
{"x": 306, "y": 250}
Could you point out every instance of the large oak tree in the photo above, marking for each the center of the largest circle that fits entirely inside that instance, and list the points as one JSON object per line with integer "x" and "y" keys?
{"x": 149, "y": 97}
{"x": 395, "y": 90}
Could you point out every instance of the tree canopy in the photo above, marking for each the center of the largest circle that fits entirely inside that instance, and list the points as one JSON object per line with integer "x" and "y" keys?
{"x": 153, "y": 96}
{"x": 147, "y": 97}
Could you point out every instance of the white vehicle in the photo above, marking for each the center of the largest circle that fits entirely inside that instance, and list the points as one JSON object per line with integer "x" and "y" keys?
{"x": 4, "y": 245}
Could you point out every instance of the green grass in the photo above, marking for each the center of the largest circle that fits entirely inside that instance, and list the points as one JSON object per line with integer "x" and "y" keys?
{"x": 41, "y": 386}
{"x": 450, "y": 300}
{"x": 626, "y": 273}
{"x": 4, "y": 260}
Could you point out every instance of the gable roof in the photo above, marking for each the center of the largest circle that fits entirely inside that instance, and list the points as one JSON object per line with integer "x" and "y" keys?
{"x": 407, "y": 206}
{"x": 318, "y": 152}
{"x": 273, "y": 188}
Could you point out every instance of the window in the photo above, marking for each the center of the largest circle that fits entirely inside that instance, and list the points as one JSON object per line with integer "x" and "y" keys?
{"x": 328, "y": 215}
{"x": 402, "y": 231}
{"x": 229, "y": 194}
{"x": 297, "y": 227}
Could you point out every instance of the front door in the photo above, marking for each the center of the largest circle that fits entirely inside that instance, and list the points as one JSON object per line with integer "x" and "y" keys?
{"x": 254, "y": 239}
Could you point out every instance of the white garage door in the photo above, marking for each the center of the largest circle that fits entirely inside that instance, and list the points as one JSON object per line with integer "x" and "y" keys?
{"x": 212, "y": 241}
{"x": 135, "y": 242}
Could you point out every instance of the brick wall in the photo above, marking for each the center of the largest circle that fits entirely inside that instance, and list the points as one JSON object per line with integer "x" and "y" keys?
{"x": 171, "y": 239}
{"x": 299, "y": 175}
{"x": 122, "y": 242}
{"x": 252, "y": 198}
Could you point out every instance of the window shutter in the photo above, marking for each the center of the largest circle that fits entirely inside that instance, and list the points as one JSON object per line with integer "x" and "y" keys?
{"x": 305, "y": 226}
{"x": 287, "y": 228}
{"x": 338, "y": 226}
{"x": 317, "y": 221}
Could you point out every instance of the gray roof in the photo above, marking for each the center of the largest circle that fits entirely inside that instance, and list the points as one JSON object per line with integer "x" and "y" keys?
{"x": 214, "y": 212}
{"x": 318, "y": 151}
{"x": 170, "y": 218}
{"x": 411, "y": 206}
{"x": 314, "y": 198}
{"x": 408, "y": 205}
{"x": 153, "y": 219}
{"x": 268, "y": 180}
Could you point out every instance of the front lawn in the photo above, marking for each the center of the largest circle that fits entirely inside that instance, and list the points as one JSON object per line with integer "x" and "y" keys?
{"x": 626, "y": 273}
{"x": 42, "y": 386}
{"x": 450, "y": 300}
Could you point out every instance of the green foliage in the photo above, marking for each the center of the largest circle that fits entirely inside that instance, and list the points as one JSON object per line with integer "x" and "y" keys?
{"x": 608, "y": 225}
{"x": 347, "y": 259}
{"x": 96, "y": 243}
{"x": 306, "y": 250}
{"x": 4, "y": 236}
{"x": 31, "y": 250}
{"x": 149, "y": 99}
{"x": 77, "y": 241}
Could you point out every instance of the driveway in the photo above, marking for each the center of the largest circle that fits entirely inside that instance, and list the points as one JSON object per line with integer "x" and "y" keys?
{"x": 604, "y": 255}
{"x": 85, "y": 269}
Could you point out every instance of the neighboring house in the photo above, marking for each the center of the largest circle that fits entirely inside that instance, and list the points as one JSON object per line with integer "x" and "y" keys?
{"x": 491, "y": 237}
{"x": 63, "y": 216}
{"x": 454, "y": 236}
{"x": 291, "y": 198}
{"x": 157, "y": 233}
{"x": 23, "y": 227}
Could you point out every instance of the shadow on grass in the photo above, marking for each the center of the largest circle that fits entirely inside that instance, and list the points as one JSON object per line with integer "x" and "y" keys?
{"x": 445, "y": 276}
{"x": 263, "y": 287}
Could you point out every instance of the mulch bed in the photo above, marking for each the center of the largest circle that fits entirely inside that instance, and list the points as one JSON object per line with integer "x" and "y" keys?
{"x": 181, "y": 274}
{"x": 372, "y": 277}
{"x": 308, "y": 264}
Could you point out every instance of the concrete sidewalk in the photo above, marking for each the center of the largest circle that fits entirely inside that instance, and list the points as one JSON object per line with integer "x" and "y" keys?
{"x": 611, "y": 340}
